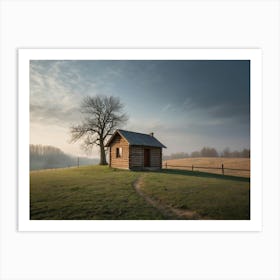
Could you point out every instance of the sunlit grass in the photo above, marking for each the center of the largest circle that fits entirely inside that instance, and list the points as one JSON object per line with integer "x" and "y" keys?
{"x": 88, "y": 193}
{"x": 102, "y": 193}
{"x": 211, "y": 196}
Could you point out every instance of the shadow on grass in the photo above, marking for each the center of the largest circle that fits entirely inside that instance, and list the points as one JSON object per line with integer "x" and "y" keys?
{"x": 203, "y": 174}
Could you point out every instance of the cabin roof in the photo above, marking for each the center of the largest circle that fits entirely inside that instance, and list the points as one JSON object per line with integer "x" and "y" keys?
{"x": 137, "y": 139}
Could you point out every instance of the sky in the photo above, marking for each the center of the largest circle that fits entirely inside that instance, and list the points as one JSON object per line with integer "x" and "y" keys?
{"x": 188, "y": 104}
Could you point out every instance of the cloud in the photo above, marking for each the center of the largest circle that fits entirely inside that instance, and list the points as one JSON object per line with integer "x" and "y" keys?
{"x": 186, "y": 103}
{"x": 217, "y": 89}
{"x": 57, "y": 114}
{"x": 52, "y": 99}
{"x": 166, "y": 108}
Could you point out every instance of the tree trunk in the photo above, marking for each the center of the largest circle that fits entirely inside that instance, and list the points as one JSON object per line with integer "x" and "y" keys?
{"x": 102, "y": 155}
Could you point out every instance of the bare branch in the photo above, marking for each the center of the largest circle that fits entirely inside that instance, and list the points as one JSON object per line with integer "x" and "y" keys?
{"x": 102, "y": 115}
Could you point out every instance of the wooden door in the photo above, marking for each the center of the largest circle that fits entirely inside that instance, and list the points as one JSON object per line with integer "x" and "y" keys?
{"x": 146, "y": 157}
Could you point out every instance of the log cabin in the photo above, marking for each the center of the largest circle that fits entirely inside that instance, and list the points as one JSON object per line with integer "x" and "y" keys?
{"x": 134, "y": 151}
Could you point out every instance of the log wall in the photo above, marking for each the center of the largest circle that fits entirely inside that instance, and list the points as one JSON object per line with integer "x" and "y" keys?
{"x": 132, "y": 157}
{"x": 155, "y": 157}
{"x": 136, "y": 157}
{"x": 123, "y": 161}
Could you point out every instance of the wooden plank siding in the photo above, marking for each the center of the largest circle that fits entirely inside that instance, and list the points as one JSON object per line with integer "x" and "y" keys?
{"x": 136, "y": 157}
{"x": 155, "y": 157}
{"x": 123, "y": 161}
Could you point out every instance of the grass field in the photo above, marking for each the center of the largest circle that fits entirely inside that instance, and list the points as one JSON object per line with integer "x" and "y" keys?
{"x": 235, "y": 163}
{"x": 96, "y": 192}
{"x": 92, "y": 192}
{"x": 209, "y": 195}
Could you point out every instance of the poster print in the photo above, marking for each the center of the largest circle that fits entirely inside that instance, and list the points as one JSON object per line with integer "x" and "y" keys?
{"x": 140, "y": 139}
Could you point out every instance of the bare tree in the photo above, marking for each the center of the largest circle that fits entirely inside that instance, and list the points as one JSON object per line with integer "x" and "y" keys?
{"x": 103, "y": 114}
{"x": 226, "y": 152}
{"x": 208, "y": 152}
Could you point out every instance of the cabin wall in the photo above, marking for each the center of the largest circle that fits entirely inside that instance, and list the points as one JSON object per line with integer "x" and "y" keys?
{"x": 123, "y": 161}
{"x": 136, "y": 157}
{"x": 156, "y": 157}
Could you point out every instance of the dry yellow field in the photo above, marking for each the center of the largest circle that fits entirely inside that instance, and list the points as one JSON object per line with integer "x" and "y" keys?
{"x": 234, "y": 163}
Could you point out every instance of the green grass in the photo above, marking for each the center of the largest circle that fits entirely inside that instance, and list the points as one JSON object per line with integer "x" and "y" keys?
{"x": 92, "y": 192}
{"x": 99, "y": 192}
{"x": 212, "y": 196}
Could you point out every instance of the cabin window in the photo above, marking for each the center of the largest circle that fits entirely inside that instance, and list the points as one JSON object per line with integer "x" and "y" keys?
{"x": 118, "y": 152}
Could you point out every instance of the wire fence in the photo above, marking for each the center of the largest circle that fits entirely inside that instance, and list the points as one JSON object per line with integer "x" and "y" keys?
{"x": 210, "y": 169}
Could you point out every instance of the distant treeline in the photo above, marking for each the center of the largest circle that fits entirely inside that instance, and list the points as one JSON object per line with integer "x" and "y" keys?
{"x": 211, "y": 152}
{"x": 44, "y": 157}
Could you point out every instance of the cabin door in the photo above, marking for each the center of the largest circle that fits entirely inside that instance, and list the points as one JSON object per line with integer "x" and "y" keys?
{"x": 146, "y": 157}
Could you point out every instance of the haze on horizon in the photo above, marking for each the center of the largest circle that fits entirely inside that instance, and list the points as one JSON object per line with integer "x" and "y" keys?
{"x": 188, "y": 104}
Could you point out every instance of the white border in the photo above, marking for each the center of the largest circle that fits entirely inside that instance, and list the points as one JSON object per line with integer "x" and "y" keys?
{"x": 254, "y": 55}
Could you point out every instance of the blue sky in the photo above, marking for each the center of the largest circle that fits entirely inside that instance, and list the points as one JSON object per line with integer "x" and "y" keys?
{"x": 188, "y": 104}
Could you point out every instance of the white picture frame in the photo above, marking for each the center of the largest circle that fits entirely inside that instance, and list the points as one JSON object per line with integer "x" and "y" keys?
{"x": 177, "y": 255}
{"x": 255, "y": 222}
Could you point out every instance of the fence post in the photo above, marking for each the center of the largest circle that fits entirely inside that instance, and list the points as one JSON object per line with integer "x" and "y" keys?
{"x": 223, "y": 172}
{"x": 192, "y": 167}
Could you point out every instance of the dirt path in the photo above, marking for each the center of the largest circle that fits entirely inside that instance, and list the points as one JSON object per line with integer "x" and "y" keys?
{"x": 167, "y": 211}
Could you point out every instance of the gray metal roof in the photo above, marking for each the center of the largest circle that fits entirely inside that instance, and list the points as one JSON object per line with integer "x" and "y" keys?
{"x": 138, "y": 139}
